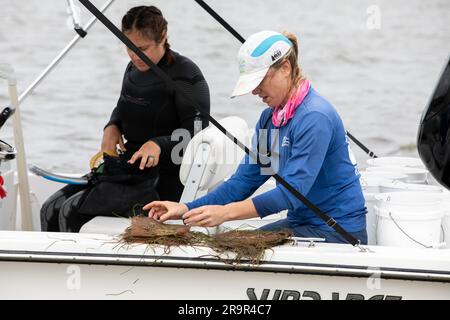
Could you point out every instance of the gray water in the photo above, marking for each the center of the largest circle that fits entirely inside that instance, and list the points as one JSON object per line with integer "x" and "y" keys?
{"x": 378, "y": 79}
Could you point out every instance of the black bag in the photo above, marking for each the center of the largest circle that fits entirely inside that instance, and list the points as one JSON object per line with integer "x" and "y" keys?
{"x": 117, "y": 188}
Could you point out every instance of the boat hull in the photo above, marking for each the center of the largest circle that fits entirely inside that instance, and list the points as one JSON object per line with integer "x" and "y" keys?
{"x": 36, "y": 265}
{"x": 44, "y": 280}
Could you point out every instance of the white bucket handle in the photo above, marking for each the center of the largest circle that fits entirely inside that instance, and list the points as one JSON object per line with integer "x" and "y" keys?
{"x": 435, "y": 246}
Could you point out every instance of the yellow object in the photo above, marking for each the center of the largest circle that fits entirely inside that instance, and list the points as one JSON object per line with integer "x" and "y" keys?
{"x": 97, "y": 159}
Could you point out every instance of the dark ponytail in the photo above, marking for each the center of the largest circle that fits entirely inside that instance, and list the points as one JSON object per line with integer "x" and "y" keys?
{"x": 148, "y": 20}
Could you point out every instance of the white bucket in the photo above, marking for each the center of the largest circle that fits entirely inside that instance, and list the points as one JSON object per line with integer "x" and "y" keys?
{"x": 415, "y": 175}
{"x": 409, "y": 219}
{"x": 446, "y": 228}
{"x": 370, "y": 181}
{"x": 396, "y": 162}
{"x": 446, "y": 219}
{"x": 399, "y": 186}
{"x": 371, "y": 218}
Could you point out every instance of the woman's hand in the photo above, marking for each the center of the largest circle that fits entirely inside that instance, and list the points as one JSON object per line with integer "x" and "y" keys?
{"x": 206, "y": 216}
{"x": 165, "y": 210}
{"x": 149, "y": 154}
{"x": 111, "y": 138}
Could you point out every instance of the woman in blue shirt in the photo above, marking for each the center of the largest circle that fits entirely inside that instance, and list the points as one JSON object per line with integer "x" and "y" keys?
{"x": 313, "y": 153}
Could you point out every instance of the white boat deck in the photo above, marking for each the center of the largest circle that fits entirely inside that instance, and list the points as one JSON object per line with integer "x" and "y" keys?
{"x": 424, "y": 264}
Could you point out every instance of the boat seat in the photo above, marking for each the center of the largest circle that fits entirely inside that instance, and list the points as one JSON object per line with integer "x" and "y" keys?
{"x": 211, "y": 157}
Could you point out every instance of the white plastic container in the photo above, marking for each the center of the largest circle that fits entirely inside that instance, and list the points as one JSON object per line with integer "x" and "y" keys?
{"x": 371, "y": 218}
{"x": 409, "y": 219}
{"x": 415, "y": 175}
{"x": 446, "y": 219}
{"x": 399, "y": 186}
{"x": 446, "y": 228}
{"x": 396, "y": 162}
{"x": 370, "y": 181}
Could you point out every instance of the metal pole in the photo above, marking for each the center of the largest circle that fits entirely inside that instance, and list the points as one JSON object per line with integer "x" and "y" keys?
{"x": 60, "y": 56}
{"x": 22, "y": 172}
{"x": 7, "y": 72}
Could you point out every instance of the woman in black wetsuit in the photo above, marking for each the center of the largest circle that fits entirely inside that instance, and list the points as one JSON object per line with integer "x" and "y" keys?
{"x": 146, "y": 115}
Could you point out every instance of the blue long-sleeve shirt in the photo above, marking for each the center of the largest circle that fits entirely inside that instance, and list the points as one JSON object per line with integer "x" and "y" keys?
{"x": 312, "y": 154}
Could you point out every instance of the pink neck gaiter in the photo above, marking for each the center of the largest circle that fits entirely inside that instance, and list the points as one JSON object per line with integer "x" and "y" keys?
{"x": 281, "y": 116}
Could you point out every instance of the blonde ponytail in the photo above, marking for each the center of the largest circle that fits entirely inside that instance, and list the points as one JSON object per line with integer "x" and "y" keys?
{"x": 292, "y": 57}
{"x": 293, "y": 38}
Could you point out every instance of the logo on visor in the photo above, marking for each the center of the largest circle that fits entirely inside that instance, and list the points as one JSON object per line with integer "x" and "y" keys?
{"x": 276, "y": 55}
{"x": 242, "y": 65}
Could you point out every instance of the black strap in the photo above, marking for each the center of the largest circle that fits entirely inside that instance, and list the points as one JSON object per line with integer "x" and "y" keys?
{"x": 328, "y": 220}
{"x": 220, "y": 20}
{"x": 242, "y": 40}
{"x": 360, "y": 144}
{"x": 80, "y": 32}
{"x": 263, "y": 159}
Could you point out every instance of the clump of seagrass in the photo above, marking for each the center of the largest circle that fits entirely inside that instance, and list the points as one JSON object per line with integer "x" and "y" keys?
{"x": 152, "y": 232}
{"x": 248, "y": 245}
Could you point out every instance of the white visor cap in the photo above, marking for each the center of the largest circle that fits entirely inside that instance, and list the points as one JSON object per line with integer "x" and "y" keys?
{"x": 256, "y": 56}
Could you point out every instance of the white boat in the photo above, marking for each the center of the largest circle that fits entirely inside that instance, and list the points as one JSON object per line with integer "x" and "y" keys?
{"x": 37, "y": 265}
{"x": 93, "y": 264}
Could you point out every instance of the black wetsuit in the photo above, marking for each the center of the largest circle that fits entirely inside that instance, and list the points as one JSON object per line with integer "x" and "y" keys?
{"x": 148, "y": 109}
